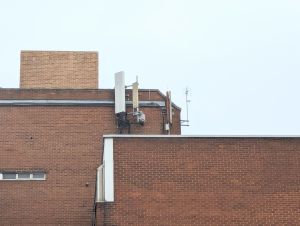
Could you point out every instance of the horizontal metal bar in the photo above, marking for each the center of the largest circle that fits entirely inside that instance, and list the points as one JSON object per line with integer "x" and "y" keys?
{"x": 75, "y": 102}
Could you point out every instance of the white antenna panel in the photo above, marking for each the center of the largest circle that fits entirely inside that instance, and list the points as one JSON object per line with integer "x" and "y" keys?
{"x": 135, "y": 95}
{"x": 120, "y": 92}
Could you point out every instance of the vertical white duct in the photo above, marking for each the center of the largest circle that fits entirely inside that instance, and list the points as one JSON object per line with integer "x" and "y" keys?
{"x": 100, "y": 184}
{"x": 108, "y": 161}
{"x": 105, "y": 174}
{"x": 120, "y": 92}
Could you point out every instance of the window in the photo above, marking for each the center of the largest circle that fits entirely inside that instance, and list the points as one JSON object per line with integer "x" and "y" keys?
{"x": 23, "y": 176}
{"x": 38, "y": 175}
{"x": 9, "y": 176}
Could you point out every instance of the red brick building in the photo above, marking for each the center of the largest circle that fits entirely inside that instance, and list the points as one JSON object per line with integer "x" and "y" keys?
{"x": 54, "y": 138}
{"x": 192, "y": 180}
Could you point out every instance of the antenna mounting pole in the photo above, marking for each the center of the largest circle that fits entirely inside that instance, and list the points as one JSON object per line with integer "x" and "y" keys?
{"x": 187, "y": 101}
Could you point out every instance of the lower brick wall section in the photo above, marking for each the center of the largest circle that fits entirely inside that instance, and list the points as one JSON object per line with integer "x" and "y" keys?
{"x": 63, "y": 141}
{"x": 66, "y": 142}
{"x": 205, "y": 181}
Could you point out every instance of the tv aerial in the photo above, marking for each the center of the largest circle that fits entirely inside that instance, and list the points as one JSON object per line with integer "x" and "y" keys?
{"x": 186, "y": 122}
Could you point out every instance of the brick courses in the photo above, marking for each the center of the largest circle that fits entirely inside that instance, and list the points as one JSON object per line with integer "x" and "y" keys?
{"x": 158, "y": 181}
{"x": 76, "y": 94}
{"x": 59, "y": 69}
{"x": 205, "y": 181}
{"x": 66, "y": 142}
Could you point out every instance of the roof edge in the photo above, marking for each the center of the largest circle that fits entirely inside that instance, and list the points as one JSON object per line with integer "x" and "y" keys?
{"x": 197, "y": 136}
{"x": 59, "y": 51}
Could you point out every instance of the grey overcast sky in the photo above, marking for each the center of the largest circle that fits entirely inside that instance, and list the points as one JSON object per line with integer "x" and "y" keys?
{"x": 240, "y": 59}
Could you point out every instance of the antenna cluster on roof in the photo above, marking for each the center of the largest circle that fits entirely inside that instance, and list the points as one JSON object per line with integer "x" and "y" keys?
{"x": 120, "y": 104}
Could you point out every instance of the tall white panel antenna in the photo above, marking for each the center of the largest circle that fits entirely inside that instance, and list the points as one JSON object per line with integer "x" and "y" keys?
{"x": 120, "y": 92}
{"x": 135, "y": 96}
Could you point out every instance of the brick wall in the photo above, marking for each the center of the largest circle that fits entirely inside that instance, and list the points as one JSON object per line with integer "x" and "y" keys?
{"x": 205, "y": 181}
{"x": 63, "y": 141}
{"x": 74, "y": 94}
{"x": 66, "y": 142}
{"x": 155, "y": 116}
{"x": 59, "y": 69}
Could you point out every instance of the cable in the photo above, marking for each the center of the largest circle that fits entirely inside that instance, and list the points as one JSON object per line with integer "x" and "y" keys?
{"x": 94, "y": 216}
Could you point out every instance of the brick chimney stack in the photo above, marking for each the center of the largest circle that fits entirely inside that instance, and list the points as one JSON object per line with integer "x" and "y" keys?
{"x": 59, "y": 70}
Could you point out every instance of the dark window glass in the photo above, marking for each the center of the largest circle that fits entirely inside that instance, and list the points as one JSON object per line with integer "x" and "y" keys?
{"x": 9, "y": 176}
{"x": 24, "y": 175}
{"x": 38, "y": 175}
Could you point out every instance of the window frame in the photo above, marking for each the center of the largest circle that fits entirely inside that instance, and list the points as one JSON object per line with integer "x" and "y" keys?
{"x": 31, "y": 178}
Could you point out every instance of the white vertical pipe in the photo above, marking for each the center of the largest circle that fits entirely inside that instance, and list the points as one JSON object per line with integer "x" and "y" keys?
{"x": 108, "y": 161}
